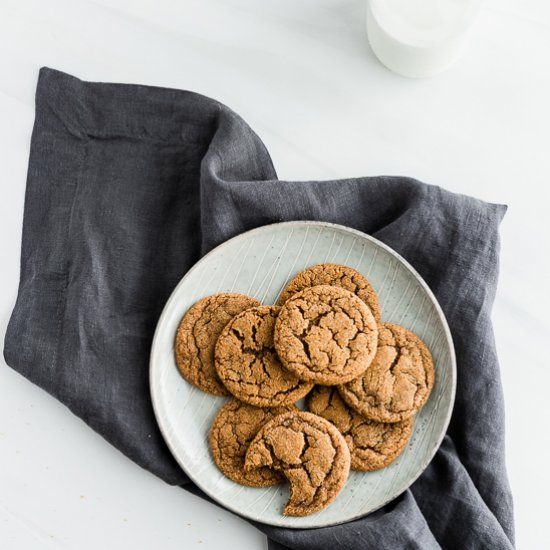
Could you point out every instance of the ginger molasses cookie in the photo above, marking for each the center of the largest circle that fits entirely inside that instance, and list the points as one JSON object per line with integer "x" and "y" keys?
{"x": 248, "y": 366}
{"x": 310, "y": 452}
{"x": 372, "y": 445}
{"x": 334, "y": 275}
{"x": 326, "y": 334}
{"x": 233, "y": 429}
{"x": 197, "y": 335}
{"x": 398, "y": 381}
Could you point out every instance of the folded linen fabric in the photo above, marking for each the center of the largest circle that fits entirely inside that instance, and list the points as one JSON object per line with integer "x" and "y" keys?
{"x": 128, "y": 186}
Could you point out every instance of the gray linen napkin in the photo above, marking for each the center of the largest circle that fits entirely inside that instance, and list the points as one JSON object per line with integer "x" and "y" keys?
{"x": 129, "y": 185}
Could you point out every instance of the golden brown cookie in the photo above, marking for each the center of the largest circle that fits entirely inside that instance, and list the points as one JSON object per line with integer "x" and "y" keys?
{"x": 372, "y": 445}
{"x": 197, "y": 335}
{"x": 334, "y": 275}
{"x": 234, "y": 427}
{"x": 248, "y": 366}
{"x": 310, "y": 452}
{"x": 398, "y": 381}
{"x": 326, "y": 334}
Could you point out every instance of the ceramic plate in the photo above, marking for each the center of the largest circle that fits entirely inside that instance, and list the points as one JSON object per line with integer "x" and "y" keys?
{"x": 259, "y": 263}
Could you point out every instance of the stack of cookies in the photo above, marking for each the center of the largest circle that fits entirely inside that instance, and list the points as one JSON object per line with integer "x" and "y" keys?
{"x": 364, "y": 381}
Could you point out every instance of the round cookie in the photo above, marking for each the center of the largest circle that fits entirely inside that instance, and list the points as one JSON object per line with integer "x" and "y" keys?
{"x": 372, "y": 445}
{"x": 326, "y": 334}
{"x": 398, "y": 381}
{"x": 334, "y": 275}
{"x": 248, "y": 366}
{"x": 234, "y": 427}
{"x": 197, "y": 335}
{"x": 310, "y": 452}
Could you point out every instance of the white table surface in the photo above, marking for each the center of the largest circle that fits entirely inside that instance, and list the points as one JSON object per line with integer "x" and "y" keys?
{"x": 300, "y": 72}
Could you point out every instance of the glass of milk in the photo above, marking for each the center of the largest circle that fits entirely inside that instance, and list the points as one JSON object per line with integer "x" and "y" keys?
{"x": 419, "y": 38}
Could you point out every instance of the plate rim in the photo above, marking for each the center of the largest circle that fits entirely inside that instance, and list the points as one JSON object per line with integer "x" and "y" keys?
{"x": 356, "y": 232}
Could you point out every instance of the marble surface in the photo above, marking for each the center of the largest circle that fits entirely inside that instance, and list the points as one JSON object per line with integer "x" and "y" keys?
{"x": 303, "y": 76}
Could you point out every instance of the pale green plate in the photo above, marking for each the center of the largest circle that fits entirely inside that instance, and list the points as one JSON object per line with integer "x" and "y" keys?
{"x": 259, "y": 263}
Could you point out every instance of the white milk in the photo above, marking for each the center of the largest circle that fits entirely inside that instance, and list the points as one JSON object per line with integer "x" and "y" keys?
{"x": 419, "y": 37}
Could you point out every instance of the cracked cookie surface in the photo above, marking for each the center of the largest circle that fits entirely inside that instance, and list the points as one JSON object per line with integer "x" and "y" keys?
{"x": 248, "y": 365}
{"x": 334, "y": 275}
{"x": 234, "y": 427}
{"x": 326, "y": 334}
{"x": 197, "y": 335}
{"x": 373, "y": 445}
{"x": 310, "y": 452}
{"x": 399, "y": 380}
